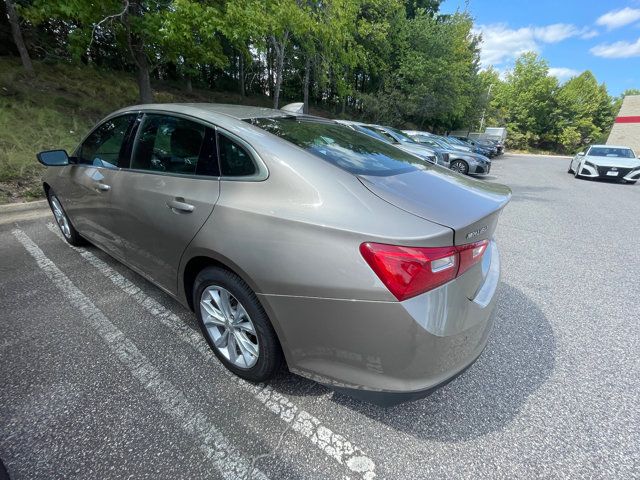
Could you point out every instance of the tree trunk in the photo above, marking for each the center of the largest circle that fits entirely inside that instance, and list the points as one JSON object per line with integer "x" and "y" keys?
{"x": 189, "y": 85}
{"x": 144, "y": 82}
{"x": 17, "y": 37}
{"x": 280, "y": 48}
{"x": 242, "y": 89}
{"x": 305, "y": 91}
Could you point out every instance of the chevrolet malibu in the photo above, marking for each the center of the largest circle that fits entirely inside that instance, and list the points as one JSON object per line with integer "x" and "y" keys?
{"x": 295, "y": 240}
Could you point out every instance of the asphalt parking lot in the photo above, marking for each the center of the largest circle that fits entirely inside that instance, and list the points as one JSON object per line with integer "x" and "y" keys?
{"x": 102, "y": 375}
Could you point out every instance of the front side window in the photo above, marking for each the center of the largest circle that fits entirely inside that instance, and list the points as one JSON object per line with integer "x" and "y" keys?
{"x": 348, "y": 149}
{"x": 106, "y": 145}
{"x": 169, "y": 144}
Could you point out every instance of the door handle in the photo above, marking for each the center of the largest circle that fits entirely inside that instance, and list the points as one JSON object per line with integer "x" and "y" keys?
{"x": 104, "y": 187}
{"x": 180, "y": 205}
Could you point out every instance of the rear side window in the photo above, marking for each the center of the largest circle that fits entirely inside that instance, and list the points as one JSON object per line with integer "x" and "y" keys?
{"x": 106, "y": 145}
{"x": 175, "y": 145}
{"x": 348, "y": 149}
{"x": 235, "y": 161}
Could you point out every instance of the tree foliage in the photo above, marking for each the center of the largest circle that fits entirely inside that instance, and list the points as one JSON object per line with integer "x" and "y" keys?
{"x": 397, "y": 62}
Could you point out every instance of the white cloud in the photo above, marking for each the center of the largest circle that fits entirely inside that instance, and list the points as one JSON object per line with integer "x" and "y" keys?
{"x": 589, "y": 33}
{"x": 501, "y": 43}
{"x": 562, "y": 73}
{"x": 617, "y": 50}
{"x": 556, "y": 33}
{"x": 619, "y": 18}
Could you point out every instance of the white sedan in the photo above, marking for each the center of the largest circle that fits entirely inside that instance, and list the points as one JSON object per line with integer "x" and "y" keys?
{"x": 606, "y": 161}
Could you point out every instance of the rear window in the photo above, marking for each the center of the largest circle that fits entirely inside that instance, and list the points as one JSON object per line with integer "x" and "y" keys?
{"x": 611, "y": 152}
{"x": 348, "y": 149}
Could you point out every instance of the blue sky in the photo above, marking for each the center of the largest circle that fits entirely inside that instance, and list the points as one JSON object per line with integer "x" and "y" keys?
{"x": 572, "y": 35}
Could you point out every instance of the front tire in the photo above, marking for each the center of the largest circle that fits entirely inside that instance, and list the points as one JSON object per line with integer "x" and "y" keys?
{"x": 235, "y": 325}
{"x": 575, "y": 172}
{"x": 67, "y": 229}
{"x": 460, "y": 166}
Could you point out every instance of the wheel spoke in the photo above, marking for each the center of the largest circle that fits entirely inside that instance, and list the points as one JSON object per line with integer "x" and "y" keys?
{"x": 223, "y": 340}
{"x": 246, "y": 326}
{"x": 248, "y": 349}
{"x": 225, "y": 303}
{"x": 231, "y": 348}
{"x": 215, "y": 316}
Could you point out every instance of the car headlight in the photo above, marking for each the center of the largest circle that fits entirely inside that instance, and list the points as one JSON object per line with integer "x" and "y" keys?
{"x": 589, "y": 164}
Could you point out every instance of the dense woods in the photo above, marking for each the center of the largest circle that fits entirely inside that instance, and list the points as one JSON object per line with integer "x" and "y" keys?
{"x": 385, "y": 61}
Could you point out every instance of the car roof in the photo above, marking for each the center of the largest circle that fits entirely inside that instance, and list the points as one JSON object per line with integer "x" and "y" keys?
{"x": 239, "y": 112}
{"x": 611, "y": 146}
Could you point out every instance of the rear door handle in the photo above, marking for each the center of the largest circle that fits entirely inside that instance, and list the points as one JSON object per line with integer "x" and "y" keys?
{"x": 180, "y": 205}
{"x": 104, "y": 187}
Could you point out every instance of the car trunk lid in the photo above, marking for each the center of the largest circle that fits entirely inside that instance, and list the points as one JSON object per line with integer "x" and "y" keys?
{"x": 469, "y": 207}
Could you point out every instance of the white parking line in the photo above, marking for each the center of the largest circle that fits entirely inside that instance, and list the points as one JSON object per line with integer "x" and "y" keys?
{"x": 231, "y": 464}
{"x": 332, "y": 444}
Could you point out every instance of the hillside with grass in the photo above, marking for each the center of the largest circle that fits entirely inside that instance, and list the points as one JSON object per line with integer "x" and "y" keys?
{"x": 57, "y": 107}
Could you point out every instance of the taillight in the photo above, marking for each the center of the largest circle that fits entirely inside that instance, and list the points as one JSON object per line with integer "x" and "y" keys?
{"x": 410, "y": 271}
{"x": 470, "y": 254}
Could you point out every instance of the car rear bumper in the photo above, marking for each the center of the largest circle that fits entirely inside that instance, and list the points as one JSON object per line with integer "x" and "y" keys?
{"x": 388, "y": 352}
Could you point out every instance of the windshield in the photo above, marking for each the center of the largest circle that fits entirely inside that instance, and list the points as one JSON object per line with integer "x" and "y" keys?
{"x": 380, "y": 132}
{"x": 348, "y": 149}
{"x": 611, "y": 152}
{"x": 371, "y": 133}
{"x": 401, "y": 135}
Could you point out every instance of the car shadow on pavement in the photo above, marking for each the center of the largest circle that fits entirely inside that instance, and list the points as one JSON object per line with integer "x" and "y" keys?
{"x": 519, "y": 358}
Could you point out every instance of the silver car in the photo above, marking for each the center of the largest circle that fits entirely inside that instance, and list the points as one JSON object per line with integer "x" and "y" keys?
{"x": 387, "y": 135}
{"x": 461, "y": 159}
{"x": 606, "y": 161}
{"x": 294, "y": 239}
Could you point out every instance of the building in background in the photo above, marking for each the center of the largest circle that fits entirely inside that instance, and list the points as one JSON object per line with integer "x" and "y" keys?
{"x": 626, "y": 129}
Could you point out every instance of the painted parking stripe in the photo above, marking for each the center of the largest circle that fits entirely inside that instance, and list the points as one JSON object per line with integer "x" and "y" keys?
{"x": 332, "y": 444}
{"x": 230, "y": 463}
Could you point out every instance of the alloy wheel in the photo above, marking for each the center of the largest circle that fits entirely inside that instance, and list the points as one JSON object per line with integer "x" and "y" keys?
{"x": 61, "y": 217}
{"x": 459, "y": 167}
{"x": 229, "y": 326}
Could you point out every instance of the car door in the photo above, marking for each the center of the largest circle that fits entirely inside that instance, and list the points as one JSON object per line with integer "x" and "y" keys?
{"x": 166, "y": 195}
{"x": 86, "y": 192}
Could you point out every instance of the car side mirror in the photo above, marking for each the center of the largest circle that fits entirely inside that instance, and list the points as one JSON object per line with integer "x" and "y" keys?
{"x": 53, "y": 158}
{"x": 581, "y": 154}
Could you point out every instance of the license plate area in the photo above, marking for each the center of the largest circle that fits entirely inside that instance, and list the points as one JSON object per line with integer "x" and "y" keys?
{"x": 612, "y": 173}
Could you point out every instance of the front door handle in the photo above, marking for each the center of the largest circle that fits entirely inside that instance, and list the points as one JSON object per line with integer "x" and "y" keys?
{"x": 180, "y": 205}
{"x": 104, "y": 187}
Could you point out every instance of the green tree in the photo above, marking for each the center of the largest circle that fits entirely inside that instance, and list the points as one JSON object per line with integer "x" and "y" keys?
{"x": 528, "y": 99}
{"x": 582, "y": 104}
{"x": 132, "y": 26}
{"x": 190, "y": 35}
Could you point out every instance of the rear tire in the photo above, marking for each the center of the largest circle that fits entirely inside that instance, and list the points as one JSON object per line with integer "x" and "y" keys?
{"x": 223, "y": 302}
{"x": 67, "y": 229}
{"x": 460, "y": 166}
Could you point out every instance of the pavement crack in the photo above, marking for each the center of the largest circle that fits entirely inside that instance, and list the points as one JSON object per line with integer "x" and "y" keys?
{"x": 255, "y": 459}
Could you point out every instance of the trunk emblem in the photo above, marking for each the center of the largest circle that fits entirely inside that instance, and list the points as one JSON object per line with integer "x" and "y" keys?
{"x": 477, "y": 232}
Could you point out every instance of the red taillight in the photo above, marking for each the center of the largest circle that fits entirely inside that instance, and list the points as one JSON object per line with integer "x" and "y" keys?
{"x": 410, "y": 271}
{"x": 470, "y": 254}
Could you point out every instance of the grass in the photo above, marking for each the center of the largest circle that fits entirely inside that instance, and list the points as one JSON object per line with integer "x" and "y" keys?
{"x": 58, "y": 107}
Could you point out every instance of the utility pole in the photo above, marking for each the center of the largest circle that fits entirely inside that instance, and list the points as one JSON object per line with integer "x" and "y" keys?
{"x": 484, "y": 111}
